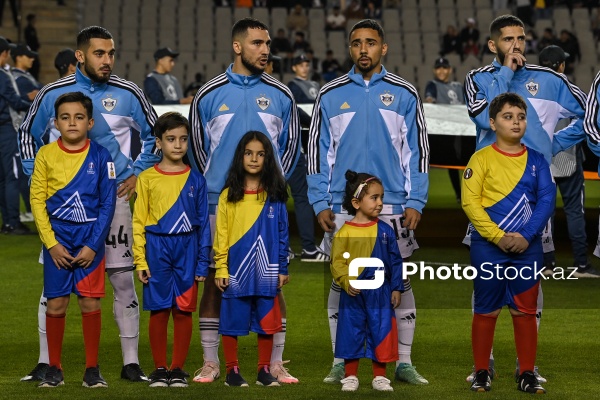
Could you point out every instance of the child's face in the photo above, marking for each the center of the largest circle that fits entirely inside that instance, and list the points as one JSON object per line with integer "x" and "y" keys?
{"x": 73, "y": 123}
{"x": 371, "y": 203}
{"x": 509, "y": 124}
{"x": 174, "y": 144}
{"x": 254, "y": 157}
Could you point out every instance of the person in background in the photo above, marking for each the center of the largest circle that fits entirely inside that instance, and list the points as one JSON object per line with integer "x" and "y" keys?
{"x": 162, "y": 87}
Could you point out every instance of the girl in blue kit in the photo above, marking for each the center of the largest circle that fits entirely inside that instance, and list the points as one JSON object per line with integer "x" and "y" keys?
{"x": 251, "y": 253}
{"x": 366, "y": 314}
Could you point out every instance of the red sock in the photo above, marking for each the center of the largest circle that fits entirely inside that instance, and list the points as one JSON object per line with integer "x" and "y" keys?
{"x": 230, "y": 349}
{"x": 525, "y": 340}
{"x": 92, "y": 326}
{"x": 351, "y": 367}
{"x": 482, "y": 339}
{"x": 378, "y": 369}
{"x": 265, "y": 346}
{"x": 182, "y": 336}
{"x": 55, "y": 331}
{"x": 157, "y": 332}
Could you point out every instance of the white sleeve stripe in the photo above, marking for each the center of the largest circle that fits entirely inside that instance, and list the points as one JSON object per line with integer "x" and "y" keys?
{"x": 590, "y": 121}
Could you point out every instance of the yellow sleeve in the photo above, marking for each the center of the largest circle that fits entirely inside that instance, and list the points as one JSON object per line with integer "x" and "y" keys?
{"x": 339, "y": 264}
{"x": 472, "y": 189}
{"x": 141, "y": 210}
{"x": 38, "y": 196}
{"x": 221, "y": 243}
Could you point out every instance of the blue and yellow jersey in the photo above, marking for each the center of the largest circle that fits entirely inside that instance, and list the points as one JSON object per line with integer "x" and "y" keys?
{"x": 74, "y": 186}
{"x": 504, "y": 192}
{"x": 374, "y": 239}
{"x": 171, "y": 203}
{"x": 251, "y": 244}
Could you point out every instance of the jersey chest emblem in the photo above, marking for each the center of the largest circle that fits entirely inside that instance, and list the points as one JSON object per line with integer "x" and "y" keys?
{"x": 263, "y": 102}
{"x": 532, "y": 87}
{"x": 109, "y": 103}
{"x": 386, "y": 98}
{"x": 91, "y": 170}
{"x": 271, "y": 214}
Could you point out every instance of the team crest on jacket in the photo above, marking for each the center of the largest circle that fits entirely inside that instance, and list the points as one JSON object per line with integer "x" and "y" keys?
{"x": 532, "y": 87}
{"x": 263, "y": 102}
{"x": 109, "y": 103}
{"x": 386, "y": 98}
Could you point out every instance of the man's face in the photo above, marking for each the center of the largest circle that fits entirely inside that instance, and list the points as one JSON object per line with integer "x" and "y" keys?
{"x": 166, "y": 63}
{"x": 442, "y": 73}
{"x": 25, "y": 62}
{"x": 253, "y": 50}
{"x": 98, "y": 59}
{"x": 366, "y": 49}
{"x": 302, "y": 69}
{"x": 511, "y": 40}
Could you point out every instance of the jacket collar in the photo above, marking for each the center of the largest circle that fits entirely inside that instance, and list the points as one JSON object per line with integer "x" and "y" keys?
{"x": 358, "y": 78}
{"x": 242, "y": 80}
{"x": 87, "y": 82}
{"x": 497, "y": 65}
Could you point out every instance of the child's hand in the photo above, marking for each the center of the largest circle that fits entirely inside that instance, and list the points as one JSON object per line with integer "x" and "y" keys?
{"x": 61, "y": 256}
{"x": 222, "y": 283}
{"x": 519, "y": 244}
{"x": 200, "y": 278}
{"x": 353, "y": 291}
{"x": 505, "y": 243}
{"x": 396, "y": 298}
{"x": 283, "y": 280}
{"x": 144, "y": 275}
{"x": 84, "y": 257}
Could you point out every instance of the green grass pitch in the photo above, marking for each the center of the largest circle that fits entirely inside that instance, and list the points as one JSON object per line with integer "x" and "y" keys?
{"x": 568, "y": 352}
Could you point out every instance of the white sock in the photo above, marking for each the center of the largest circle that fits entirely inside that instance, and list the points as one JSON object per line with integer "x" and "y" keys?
{"x": 42, "y": 307}
{"x": 209, "y": 337}
{"x": 279, "y": 343}
{"x": 406, "y": 316}
{"x": 126, "y": 312}
{"x": 333, "y": 307}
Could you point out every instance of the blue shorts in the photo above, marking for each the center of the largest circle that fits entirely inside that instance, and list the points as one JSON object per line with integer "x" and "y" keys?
{"x": 85, "y": 282}
{"x": 240, "y": 315}
{"x": 368, "y": 317}
{"x": 512, "y": 283}
{"x": 172, "y": 260}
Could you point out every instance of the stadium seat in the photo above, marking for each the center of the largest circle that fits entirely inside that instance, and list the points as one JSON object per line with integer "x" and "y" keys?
{"x": 167, "y": 17}
{"x": 410, "y": 20}
{"x": 278, "y": 19}
{"x": 391, "y": 20}
{"x": 241, "y": 12}
{"x": 262, "y": 14}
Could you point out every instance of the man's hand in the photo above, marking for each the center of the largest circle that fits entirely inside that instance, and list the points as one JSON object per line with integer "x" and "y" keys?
{"x": 84, "y": 258}
{"x": 144, "y": 275}
{"x": 326, "y": 220}
{"x": 505, "y": 243}
{"x": 514, "y": 58}
{"x": 411, "y": 219}
{"x": 186, "y": 100}
{"x": 31, "y": 95}
{"x": 60, "y": 256}
{"x": 200, "y": 278}
{"x": 127, "y": 188}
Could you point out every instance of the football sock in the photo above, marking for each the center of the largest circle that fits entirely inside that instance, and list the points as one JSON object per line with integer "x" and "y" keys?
{"x": 406, "y": 316}
{"x": 525, "y": 340}
{"x": 378, "y": 369}
{"x": 333, "y": 306}
{"x": 473, "y": 312}
{"x": 265, "y": 345}
{"x": 482, "y": 338}
{"x": 92, "y": 326}
{"x": 230, "y": 350}
{"x": 279, "y": 342}
{"x": 42, "y": 307}
{"x": 157, "y": 333}
{"x": 126, "y": 312}
{"x": 351, "y": 367}
{"x": 540, "y": 306}
{"x": 182, "y": 335}
{"x": 209, "y": 336}
{"x": 55, "y": 331}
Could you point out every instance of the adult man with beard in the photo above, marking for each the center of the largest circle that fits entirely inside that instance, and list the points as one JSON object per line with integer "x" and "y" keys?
{"x": 372, "y": 121}
{"x": 549, "y": 96}
{"x": 121, "y": 112}
{"x": 241, "y": 99}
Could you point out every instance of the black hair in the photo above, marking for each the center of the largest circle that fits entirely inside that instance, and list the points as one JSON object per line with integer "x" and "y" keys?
{"x": 74, "y": 97}
{"x": 368, "y": 24}
{"x": 271, "y": 179}
{"x": 168, "y": 121}
{"x": 353, "y": 180}
{"x": 241, "y": 27}
{"x": 502, "y": 22}
{"x": 512, "y": 99}
{"x": 91, "y": 32}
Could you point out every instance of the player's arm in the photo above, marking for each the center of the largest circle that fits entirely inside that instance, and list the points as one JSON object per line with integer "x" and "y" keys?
{"x": 480, "y": 89}
{"x": 205, "y": 242}
{"x": 546, "y": 202}
{"x": 38, "y": 197}
{"x": 572, "y": 101}
{"x": 33, "y": 129}
{"x": 199, "y": 145}
{"x": 141, "y": 211}
{"x": 471, "y": 197}
{"x": 221, "y": 243}
{"x": 145, "y": 117}
{"x": 339, "y": 264}
{"x": 9, "y": 95}
{"x": 25, "y": 87}
{"x": 430, "y": 92}
{"x": 284, "y": 245}
{"x": 289, "y": 139}
{"x": 395, "y": 273}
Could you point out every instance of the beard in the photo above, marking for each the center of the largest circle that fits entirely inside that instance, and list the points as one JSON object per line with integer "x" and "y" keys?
{"x": 366, "y": 69}
{"x": 501, "y": 56}
{"x": 94, "y": 76}
{"x": 254, "y": 70}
